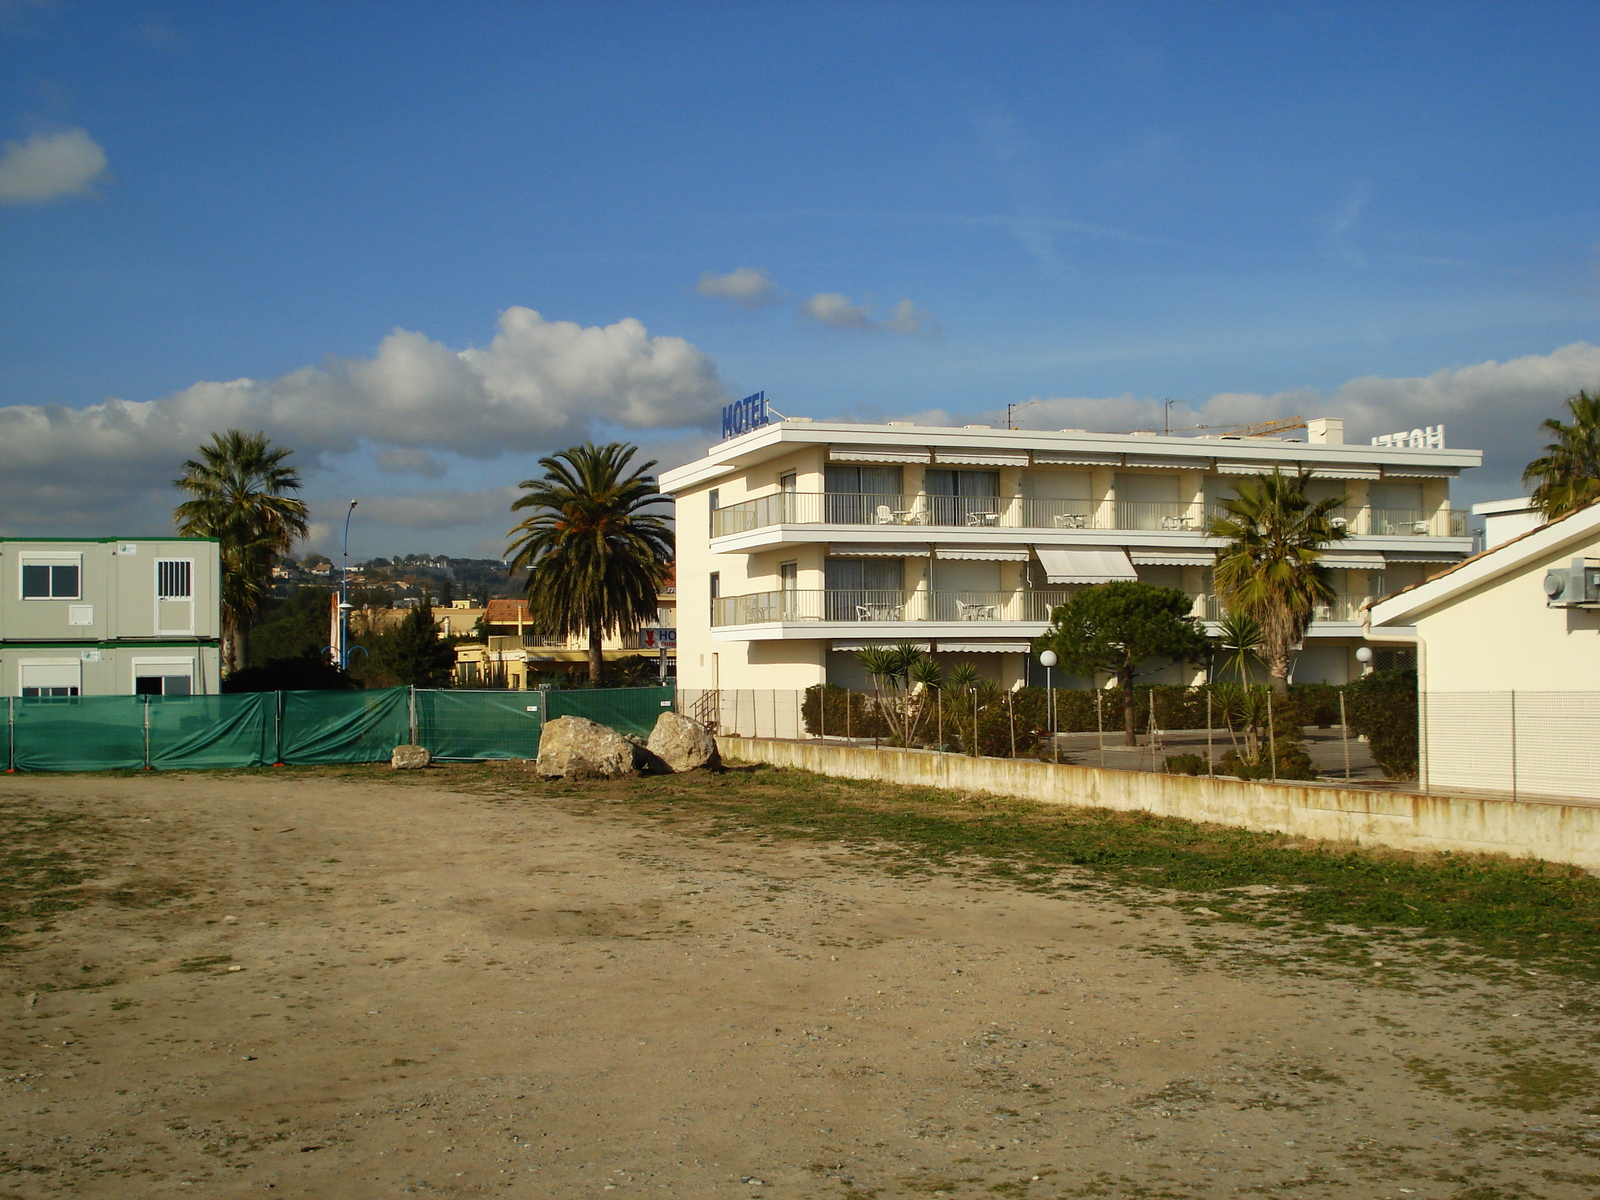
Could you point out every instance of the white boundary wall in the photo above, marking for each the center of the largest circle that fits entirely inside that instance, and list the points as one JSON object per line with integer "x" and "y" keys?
{"x": 1551, "y": 830}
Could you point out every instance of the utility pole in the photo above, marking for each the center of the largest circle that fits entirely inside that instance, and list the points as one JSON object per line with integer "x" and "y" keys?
{"x": 344, "y": 594}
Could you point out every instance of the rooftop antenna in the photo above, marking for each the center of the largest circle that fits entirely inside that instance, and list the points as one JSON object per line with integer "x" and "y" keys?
{"x": 1166, "y": 416}
{"x": 1012, "y": 408}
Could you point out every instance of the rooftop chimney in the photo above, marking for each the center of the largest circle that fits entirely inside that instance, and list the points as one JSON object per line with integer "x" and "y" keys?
{"x": 1325, "y": 431}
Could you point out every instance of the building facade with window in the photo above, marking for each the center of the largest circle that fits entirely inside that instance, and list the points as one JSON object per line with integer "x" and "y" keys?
{"x": 801, "y": 542}
{"x": 109, "y": 617}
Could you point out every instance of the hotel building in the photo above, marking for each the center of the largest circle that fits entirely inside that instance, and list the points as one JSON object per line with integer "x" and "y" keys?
{"x": 800, "y": 542}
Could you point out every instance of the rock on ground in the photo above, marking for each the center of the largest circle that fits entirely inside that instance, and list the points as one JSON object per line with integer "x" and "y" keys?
{"x": 578, "y": 748}
{"x": 684, "y": 745}
{"x": 409, "y": 758}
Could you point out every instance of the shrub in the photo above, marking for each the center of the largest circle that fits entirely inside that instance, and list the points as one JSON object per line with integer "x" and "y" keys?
{"x": 838, "y": 712}
{"x": 1186, "y": 764}
{"x": 1383, "y": 709}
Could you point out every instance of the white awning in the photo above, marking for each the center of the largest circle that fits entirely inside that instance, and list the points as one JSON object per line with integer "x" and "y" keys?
{"x": 1418, "y": 472}
{"x": 982, "y": 553}
{"x": 878, "y": 454}
{"x": 982, "y": 458}
{"x": 985, "y": 647}
{"x": 1084, "y": 566}
{"x": 858, "y": 646}
{"x": 1422, "y": 556}
{"x": 878, "y": 550}
{"x": 1343, "y": 471}
{"x": 1172, "y": 558}
{"x": 1169, "y": 462}
{"x": 1352, "y": 560}
{"x": 1075, "y": 458}
{"x": 1259, "y": 467}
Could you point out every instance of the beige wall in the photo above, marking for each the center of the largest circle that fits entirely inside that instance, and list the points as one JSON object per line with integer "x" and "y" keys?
{"x": 1502, "y": 637}
{"x": 1567, "y": 833}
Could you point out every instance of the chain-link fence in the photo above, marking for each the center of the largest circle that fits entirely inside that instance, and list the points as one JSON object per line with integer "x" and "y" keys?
{"x": 1221, "y": 729}
{"x": 1527, "y": 744}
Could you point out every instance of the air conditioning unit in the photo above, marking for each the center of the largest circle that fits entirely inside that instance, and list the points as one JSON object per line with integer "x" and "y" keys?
{"x": 1577, "y": 586}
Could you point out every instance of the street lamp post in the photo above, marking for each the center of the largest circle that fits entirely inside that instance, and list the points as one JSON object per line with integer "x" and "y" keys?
{"x": 1047, "y": 660}
{"x": 344, "y": 594}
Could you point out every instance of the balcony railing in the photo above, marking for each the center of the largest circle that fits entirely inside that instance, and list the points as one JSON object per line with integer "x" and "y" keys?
{"x": 979, "y": 512}
{"x": 881, "y": 606}
{"x": 1343, "y": 608}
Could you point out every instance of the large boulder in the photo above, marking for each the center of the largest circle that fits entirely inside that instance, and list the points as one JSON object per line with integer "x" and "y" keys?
{"x": 578, "y": 748}
{"x": 684, "y": 745}
{"x": 409, "y": 758}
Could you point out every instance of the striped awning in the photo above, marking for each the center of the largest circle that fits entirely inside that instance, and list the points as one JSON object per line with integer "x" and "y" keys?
{"x": 1170, "y": 462}
{"x": 985, "y": 647}
{"x": 878, "y": 550}
{"x": 982, "y": 553}
{"x": 1257, "y": 467}
{"x": 1352, "y": 560}
{"x": 1344, "y": 471}
{"x": 1172, "y": 558}
{"x": 1075, "y": 458}
{"x": 1412, "y": 471}
{"x": 878, "y": 454}
{"x": 981, "y": 458}
{"x": 858, "y": 646}
{"x": 1084, "y": 566}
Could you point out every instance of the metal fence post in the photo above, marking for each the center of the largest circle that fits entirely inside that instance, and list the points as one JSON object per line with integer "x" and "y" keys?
{"x": 1211, "y": 766}
{"x": 411, "y": 716}
{"x": 1100, "y": 725}
{"x": 1513, "y": 745}
{"x": 147, "y": 734}
{"x": 11, "y": 734}
{"x": 1344, "y": 735}
{"x": 1272, "y": 736}
{"x": 1011, "y": 711}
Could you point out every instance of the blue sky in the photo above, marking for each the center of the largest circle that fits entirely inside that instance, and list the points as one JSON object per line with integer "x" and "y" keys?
{"x": 1389, "y": 211}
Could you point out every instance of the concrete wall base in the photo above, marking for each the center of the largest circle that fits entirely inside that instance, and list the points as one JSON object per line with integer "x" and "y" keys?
{"x": 1556, "y": 832}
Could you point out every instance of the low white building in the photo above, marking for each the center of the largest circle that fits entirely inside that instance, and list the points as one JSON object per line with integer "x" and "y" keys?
{"x": 1508, "y": 662}
{"x": 799, "y": 542}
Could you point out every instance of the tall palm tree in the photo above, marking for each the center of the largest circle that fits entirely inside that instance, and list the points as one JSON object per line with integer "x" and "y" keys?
{"x": 594, "y": 557}
{"x": 1569, "y": 472}
{"x": 1268, "y": 570}
{"x": 238, "y": 493}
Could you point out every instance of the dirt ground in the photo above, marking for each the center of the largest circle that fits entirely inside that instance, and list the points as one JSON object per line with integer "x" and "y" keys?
{"x": 307, "y": 985}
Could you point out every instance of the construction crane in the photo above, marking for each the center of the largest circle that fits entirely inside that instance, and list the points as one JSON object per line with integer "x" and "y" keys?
{"x": 1259, "y": 429}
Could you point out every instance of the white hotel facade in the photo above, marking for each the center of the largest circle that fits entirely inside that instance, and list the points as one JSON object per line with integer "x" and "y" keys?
{"x": 801, "y": 542}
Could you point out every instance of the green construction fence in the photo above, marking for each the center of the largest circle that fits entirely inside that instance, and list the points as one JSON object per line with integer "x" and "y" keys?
{"x": 170, "y": 733}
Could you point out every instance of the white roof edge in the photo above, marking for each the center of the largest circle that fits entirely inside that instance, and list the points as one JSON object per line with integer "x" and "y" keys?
{"x": 1403, "y": 607}
{"x": 1491, "y": 507}
{"x": 758, "y": 444}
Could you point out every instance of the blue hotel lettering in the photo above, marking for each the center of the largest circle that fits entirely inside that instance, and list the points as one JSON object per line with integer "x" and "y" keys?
{"x": 745, "y": 415}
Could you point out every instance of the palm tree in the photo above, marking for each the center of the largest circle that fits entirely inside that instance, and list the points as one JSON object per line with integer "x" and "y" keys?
{"x": 1269, "y": 570}
{"x": 594, "y": 559}
{"x": 238, "y": 493}
{"x": 1569, "y": 473}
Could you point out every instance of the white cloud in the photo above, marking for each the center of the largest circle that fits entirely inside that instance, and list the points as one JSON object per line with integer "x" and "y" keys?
{"x": 1491, "y": 406}
{"x": 50, "y": 165}
{"x": 748, "y": 287}
{"x": 537, "y": 386}
{"x": 840, "y": 312}
{"x": 442, "y": 508}
{"x": 832, "y": 309}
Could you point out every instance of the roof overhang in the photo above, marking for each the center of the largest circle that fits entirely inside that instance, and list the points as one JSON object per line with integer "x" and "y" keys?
{"x": 1404, "y": 607}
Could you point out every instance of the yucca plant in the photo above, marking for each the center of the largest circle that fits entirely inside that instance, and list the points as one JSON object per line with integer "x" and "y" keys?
{"x": 905, "y": 678}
